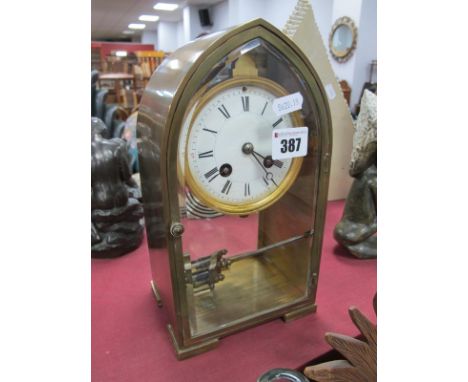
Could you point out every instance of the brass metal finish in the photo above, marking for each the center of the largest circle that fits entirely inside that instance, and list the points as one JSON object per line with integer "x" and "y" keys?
{"x": 177, "y": 229}
{"x": 247, "y": 148}
{"x": 156, "y": 294}
{"x": 299, "y": 313}
{"x": 187, "y": 352}
{"x": 245, "y": 66}
{"x": 256, "y": 205}
{"x": 282, "y": 282}
{"x": 255, "y": 284}
{"x": 205, "y": 272}
{"x": 262, "y": 250}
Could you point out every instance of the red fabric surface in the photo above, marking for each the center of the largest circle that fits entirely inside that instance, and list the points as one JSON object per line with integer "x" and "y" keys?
{"x": 130, "y": 341}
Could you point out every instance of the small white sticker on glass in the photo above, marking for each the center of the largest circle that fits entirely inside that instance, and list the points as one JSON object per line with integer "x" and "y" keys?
{"x": 290, "y": 142}
{"x": 287, "y": 104}
{"x": 330, "y": 91}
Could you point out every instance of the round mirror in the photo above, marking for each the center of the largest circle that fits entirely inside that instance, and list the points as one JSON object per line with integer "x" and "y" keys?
{"x": 343, "y": 38}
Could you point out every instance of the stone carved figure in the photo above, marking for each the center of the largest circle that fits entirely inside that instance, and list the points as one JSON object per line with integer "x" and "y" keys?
{"x": 116, "y": 212}
{"x": 357, "y": 230}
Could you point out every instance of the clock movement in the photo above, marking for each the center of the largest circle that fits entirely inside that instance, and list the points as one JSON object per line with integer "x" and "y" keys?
{"x": 207, "y": 127}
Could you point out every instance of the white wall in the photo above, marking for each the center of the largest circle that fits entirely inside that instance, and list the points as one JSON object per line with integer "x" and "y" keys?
{"x": 195, "y": 26}
{"x": 220, "y": 16}
{"x": 150, "y": 37}
{"x": 232, "y": 12}
{"x": 367, "y": 40}
{"x": 167, "y": 36}
{"x": 352, "y": 9}
{"x": 241, "y": 11}
{"x": 277, "y": 13}
{"x": 323, "y": 12}
{"x": 180, "y": 34}
{"x": 192, "y": 27}
{"x": 186, "y": 24}
{"x": 356, "y": 70}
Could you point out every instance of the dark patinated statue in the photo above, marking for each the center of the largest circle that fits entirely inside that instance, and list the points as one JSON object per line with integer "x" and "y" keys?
{"x": 116, "y": 212}
{"x": 357, "y": 230}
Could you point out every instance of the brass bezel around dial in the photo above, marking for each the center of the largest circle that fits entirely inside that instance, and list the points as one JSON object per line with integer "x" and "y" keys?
{"x": 258, "y": 205}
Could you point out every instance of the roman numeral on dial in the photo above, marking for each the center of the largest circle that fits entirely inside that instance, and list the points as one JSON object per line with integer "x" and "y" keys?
{"x": 226, "y": 187}
{"x": 264, "y": 107}
{"x": 278, "y": 122}
{"x": 245, "y": 103}
{"x": 211, "y": 131}
{"x": 206, "y": 154}
{"x": 247, "y": 189}
{"x": 213, "y": 173}
{"x": 224, "y": 111}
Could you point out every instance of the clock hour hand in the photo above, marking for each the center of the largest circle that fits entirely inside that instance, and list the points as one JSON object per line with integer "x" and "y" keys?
{"x": 269, "y": 175}
{"x": 259, "y": 162}
{"x": 268, "y": 161}
{"x": 248, "y": 148}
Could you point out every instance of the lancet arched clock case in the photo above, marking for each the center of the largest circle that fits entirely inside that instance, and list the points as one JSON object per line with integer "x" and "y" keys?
{"x": 206, "y": 124}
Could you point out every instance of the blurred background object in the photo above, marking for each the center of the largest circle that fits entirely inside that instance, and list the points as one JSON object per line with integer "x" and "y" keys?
{"x": 116, "y": 211}
{"x": 357, "y": 230}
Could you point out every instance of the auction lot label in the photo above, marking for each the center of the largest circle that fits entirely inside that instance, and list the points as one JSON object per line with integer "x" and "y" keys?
{"x": 290, "y": 142}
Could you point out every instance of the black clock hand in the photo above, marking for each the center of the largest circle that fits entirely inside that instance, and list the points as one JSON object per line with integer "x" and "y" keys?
{"x": 260, "y": 155}
{"x": 268, "y": 160}
{"x": 269, "y": 175}
{"x": 247, "y": 148}
{"x": 260, "y": 163}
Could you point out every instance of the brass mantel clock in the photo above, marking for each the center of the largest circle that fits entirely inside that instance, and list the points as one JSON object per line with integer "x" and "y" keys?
{"x": 206, "y": 126}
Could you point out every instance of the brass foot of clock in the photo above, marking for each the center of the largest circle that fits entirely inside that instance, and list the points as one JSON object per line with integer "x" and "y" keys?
{"x": 190, "y": 351}
{"x": 299, "y": 313}
{"x": 156, "y": 294}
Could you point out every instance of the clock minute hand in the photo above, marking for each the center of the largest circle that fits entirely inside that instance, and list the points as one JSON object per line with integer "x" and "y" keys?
{"x": 268, "y": 161}
{"x": 248, "y": 148}
{"x": 269, "y": 175}
{"x": 260, "y": 155}
{"x": 259, "y": 162}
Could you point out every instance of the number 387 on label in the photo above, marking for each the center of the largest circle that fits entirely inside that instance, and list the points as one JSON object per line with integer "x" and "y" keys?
{"x": 289, "y": 142}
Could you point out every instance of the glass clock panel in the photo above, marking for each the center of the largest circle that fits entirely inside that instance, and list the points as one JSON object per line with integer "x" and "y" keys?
{"x": 247, "y": 216}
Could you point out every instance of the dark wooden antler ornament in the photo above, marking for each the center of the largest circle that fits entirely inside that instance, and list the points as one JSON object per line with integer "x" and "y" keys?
{"x": 361, "y": 364}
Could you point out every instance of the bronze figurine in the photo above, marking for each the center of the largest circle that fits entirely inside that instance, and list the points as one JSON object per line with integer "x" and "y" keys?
{"x": 116, "y": 211}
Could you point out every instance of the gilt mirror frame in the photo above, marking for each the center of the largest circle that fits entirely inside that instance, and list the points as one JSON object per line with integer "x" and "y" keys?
{"x": 343, "y": 56}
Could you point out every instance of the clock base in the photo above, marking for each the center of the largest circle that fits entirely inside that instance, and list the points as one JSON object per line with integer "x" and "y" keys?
{"x": 190, "y": 351}
{"x": 202, "y": 347}
{"x": 299, "y": 313}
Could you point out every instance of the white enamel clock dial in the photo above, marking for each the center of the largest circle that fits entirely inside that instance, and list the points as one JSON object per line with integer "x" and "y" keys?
{"x": 228, "y": 153}
{"x": 183, "y": 141}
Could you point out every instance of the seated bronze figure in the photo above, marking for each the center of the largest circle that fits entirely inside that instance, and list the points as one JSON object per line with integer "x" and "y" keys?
{"x": 116, "y": 211}
{"x": 357, "y": 230}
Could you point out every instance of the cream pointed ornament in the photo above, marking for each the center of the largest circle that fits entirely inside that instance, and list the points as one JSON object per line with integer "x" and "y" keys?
{"x": 302, "y": 28}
